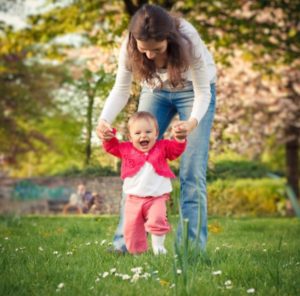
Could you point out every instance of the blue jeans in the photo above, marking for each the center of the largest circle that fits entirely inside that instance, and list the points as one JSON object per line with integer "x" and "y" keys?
{"x": 164, "y": 105}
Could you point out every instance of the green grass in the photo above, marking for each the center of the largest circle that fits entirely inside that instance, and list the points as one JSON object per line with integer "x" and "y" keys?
{"x": 39, "y": 253}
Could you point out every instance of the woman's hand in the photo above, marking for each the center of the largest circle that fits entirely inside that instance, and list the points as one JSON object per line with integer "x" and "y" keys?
{"x": 104, "y": 130}
{"x": 181, "y": 129}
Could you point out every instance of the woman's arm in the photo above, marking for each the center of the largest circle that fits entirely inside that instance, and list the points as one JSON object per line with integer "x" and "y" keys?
{"x": 104, "y": 130}
{"x": 120, "y": 92}
{"x": 200, "y": 76}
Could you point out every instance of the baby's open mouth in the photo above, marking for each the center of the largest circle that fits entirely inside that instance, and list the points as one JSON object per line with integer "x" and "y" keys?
{"x": 144, "y": 143}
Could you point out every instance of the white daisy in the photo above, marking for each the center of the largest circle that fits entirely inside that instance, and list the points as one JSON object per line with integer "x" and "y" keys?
{"x": 60, "y": 285}
{"x": 217, "y": 272}
{"x": 179, "y": 271}
{"x": 125, "y": 277}
{"x": 137, "y": 270}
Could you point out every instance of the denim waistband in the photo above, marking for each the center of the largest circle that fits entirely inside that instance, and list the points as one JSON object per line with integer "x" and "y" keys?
{"x": 188, "y": 87}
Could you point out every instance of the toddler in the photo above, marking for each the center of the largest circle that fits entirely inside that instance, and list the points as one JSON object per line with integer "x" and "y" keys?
{"x": 147, "y": 183}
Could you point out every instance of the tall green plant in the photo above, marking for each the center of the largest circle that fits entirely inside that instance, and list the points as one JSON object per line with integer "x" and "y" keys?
{"x": 91, "y": 85}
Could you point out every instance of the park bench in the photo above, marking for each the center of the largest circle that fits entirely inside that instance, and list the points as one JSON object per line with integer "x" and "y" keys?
{"x": 56, "y": 205}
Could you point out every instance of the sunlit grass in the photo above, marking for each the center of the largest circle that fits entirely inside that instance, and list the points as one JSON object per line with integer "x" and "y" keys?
{"x": 68, "y": 255}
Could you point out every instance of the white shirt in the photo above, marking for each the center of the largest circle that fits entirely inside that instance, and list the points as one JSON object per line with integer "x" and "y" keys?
{"x": 147, "y": 183}
{"x": 75, "y": 200}
{"x": 201, "y": 73}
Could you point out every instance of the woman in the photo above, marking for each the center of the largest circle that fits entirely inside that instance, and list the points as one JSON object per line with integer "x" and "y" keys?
{"x": 177, "y": 73}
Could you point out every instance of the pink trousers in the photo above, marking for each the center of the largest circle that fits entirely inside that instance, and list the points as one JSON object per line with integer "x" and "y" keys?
{"x": 142, "y": 215}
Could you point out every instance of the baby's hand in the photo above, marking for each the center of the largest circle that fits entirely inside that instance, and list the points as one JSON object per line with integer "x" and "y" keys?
{"x": 108, "y": 136}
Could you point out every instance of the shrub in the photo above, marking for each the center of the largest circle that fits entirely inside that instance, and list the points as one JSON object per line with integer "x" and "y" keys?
{"x": 255, "y": 197}
{"x": 236, "y": 169}
{"x": 232, "y": 169}
{"x": 241, "y": 197}
{"x": 90, "y": 171}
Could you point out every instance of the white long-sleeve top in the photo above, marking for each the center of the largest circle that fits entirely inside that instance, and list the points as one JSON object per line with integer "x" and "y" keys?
{"x": 147, "y": 183}
{"x": 201, "y": 72}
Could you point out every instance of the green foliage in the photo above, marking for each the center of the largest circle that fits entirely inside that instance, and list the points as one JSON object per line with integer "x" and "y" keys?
{"x": 230, "y": 166}
{"x": 246, "y": 197}
{"x": 266, "y": 30}
{"x": 231, "y": 169}
{"x": 274, "y": 157}
{"x": 241, "y": 197}
{"x": 260, "y": 28}
{"x": 97, "y": 21}
{"x": 92, "y": 84}
{"x": 64, "y": 147}
{"x": 224, "y": 168}
{"x": 26, "y": 100}
{"x": 88, "y": 171}
{"x": 28, "y": 87}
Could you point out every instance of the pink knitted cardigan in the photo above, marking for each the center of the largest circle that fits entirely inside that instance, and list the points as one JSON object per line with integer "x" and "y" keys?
{"x": 133, "y": 159}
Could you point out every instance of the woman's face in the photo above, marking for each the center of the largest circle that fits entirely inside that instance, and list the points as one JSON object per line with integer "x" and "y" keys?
{"x": 151, "y": 48}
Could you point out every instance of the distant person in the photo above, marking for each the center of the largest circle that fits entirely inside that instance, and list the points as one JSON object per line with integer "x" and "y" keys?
{"x": 98, "y": 204}
{"x": 87, "y": 200}
{"x": 147, "y": 183}
{"x": 81, "y": 200}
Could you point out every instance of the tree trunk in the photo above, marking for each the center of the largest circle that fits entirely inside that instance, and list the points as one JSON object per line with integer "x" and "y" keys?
{"x": 88, "y": 146}
{"x": 292, "y": 158}
{"x": 132, "y": 6}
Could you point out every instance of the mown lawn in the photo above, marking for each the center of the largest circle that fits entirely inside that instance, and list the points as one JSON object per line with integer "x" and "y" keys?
{"x": 68, "y": 256}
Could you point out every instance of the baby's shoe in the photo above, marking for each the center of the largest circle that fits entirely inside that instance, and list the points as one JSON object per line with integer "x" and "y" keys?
{"x": 159, "y": 250}
{"x": 158, "y": 244}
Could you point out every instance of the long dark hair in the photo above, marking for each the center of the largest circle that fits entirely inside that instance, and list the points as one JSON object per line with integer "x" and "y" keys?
{"x": 152, "y": 22}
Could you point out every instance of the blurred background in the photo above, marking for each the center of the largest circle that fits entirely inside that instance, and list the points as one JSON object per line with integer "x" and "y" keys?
{"x": 58, "y": 61}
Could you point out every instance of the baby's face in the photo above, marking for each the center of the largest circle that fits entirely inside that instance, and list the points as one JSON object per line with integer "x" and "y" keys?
{"x": 143, "y": 134}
